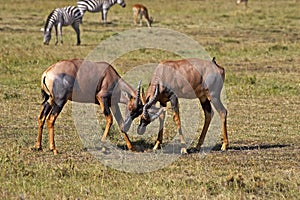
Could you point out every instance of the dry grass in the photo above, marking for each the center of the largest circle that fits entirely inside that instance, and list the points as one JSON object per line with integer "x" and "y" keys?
{"x": 258, "y": 46}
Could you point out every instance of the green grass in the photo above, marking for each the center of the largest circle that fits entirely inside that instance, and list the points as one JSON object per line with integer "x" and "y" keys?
{"x": 259, "y": 48}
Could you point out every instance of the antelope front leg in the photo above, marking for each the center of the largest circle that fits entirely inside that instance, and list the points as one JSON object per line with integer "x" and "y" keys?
{"x": 117, "y": 113}
{"x": 109, "y": 119}
{"x": 176, "y": 119}
{"x": 208, "y": 112}
{"x": 160, "y": 133}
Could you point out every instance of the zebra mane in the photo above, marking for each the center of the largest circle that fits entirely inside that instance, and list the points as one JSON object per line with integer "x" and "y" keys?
{"x": 48, "y": 19}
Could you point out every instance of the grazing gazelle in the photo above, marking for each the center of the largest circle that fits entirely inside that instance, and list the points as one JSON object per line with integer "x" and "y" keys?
{"x": 88, "y": 82}
{"x": 141, "y": 12}
{"x": 242, "y": 1}
{"x": 190, "y": 79}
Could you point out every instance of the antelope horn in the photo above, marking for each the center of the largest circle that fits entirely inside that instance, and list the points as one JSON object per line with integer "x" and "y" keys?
{"x": 138, "y": 94}
{"x": 156, "y": 115}
{"x": 150, "y": 103}
{"x": 145, "y": 113}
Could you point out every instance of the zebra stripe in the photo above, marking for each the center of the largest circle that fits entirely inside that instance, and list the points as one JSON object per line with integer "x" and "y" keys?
{"x": 59, "y": 17}
{"x": 98, "y": 6}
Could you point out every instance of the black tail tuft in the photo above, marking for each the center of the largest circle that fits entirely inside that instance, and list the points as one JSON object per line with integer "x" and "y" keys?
{"x": 214, "y": 60}
{"x": 45, "y": 96}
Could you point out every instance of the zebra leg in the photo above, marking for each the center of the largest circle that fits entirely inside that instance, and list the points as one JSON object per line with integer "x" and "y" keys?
{"x": 60, "y": 32}
{"x": 104, "y": 16}
{"x": 56, "y": 36}
{"x": 77, "y": 30}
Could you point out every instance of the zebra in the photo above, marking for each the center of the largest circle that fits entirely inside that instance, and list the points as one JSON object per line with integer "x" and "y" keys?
{"x": 59, "y": 17}
{"x": 98, "y": 5}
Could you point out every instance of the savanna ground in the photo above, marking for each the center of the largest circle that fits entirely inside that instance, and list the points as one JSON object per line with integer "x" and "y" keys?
{"x": 259, "y": 47}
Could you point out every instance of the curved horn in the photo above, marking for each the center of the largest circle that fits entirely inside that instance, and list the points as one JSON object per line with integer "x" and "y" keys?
{"x": 145, "y": 113}
{"x": 138, "y": 94}
{"x": 156, "y": 115}
{"x": 152, "y": 101}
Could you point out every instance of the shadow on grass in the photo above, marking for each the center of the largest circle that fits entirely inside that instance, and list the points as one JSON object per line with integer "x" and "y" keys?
{"x": 258, "y": 147}
{"x": 100, "y": 23}
{"x": 217, "y": 147}
{"x": 142, "y": 146}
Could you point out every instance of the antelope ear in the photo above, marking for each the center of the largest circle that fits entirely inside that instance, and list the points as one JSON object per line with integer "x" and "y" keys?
{"x": 126, "y": 95}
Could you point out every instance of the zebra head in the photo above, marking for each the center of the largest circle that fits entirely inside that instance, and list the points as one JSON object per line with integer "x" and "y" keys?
{"x": 47, "y": 36}
{"x": 121, "y": 3}
{"x": 48, "y": 26}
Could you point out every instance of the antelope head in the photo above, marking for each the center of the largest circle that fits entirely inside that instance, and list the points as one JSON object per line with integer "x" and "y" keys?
{"x": 134, "y": 108}
{"x": 149, "y": 113}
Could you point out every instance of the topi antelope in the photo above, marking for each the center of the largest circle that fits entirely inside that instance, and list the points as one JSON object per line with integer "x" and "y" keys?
{"x": 86, "y": 82}
{"x": 140, "y": 11}
{"x": 188, "y": 78}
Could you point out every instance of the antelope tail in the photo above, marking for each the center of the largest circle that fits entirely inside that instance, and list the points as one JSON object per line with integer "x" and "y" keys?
{"x": 45, "y": 96}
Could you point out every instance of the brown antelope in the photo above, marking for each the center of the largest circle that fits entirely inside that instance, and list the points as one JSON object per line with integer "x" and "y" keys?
{"x": 242, "y": 1}
{"x": 89, "y": 82}
{"x": 188, "y": 78}
{"x": 141, "y": 12}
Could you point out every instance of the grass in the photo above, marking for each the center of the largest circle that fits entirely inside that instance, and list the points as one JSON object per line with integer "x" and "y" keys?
{"x": 259, "y": 48}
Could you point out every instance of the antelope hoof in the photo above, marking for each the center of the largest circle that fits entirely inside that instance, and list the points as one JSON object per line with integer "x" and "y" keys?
{"x": 193, "y": 150}
{"x": 183, "y": 151}
{"x": 156, "y": 146}
{"x": 130, "y": 147}
{"x": 37, "y": 148}
{"x": 55, "y": 152}
{"x": 224, "y": 147}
